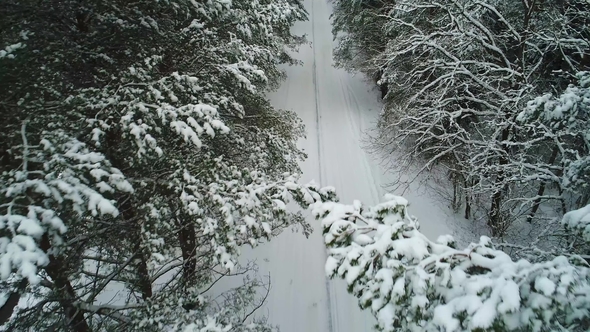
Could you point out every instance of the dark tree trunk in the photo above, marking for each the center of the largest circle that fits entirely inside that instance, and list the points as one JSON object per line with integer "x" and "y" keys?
{"x": 467, "y": 206}
{"x": 456, "y": 202}
{"x": 144, "y": 284}
{"x": 495, "y": 216}
{"x": 468, "y": 198}
{"x": 583, "y": 201}
{"x": 188, "y": 245}
{"x": 383, "y": 86}
{"x": 8, "y": 308}
{"x": 541, "y": 190}
{"x": 563, "y": 207}
{"x": 384, "y": 90}
{"x": 58, "y": 273}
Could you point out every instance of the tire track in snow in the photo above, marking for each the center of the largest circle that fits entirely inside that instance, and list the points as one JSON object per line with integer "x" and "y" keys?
{"x": 319, "y": 142}
{"x": 346, "y": 97}
{"x": 352, "y": 106}
{"x": 375, "y": 187}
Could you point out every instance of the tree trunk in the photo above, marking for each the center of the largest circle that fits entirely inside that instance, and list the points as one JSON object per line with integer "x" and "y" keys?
{"x": 563, "y": 207}
{"x": 382, "y": 86}
{"x": 57, "y": 271}
{"x": 469, "y": 183}
{"x": 583, "y": 200}
{"x": 456, "y": 199}
{"x": 384, "y": 90}
{"x": 127, "y": 210}
{"x": 8, "y": 308}
{"x": 467, "y": 206}
{"x": 454, "y": 202}
{"x": 495, "y": 216}
{"x": 188, "y": 245}
{"x": 144, "y": 284}
{"x": 541, "y": 190}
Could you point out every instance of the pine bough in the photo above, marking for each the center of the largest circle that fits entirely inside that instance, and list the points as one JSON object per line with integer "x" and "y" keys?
{"x": 411, "y": 283}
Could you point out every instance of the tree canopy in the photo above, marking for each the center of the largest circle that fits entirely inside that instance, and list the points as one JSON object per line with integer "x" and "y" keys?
{"x": 138, "y": 154}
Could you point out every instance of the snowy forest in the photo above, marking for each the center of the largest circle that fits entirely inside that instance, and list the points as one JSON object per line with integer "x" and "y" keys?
{"x": 139, "y": 151}
{"x": 490, "y": 98}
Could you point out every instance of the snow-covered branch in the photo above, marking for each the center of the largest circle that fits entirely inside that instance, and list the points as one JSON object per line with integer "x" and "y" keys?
{"x": 411, "y": 283}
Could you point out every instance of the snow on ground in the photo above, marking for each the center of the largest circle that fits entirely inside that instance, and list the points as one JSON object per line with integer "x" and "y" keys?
{"x": 338, "y": 109}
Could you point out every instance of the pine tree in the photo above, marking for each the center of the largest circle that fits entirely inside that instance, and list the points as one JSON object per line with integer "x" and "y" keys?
{"x": 138, "y": 155}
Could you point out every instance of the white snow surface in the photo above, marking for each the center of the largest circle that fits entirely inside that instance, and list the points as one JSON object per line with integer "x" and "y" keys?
{"x": 338, "y": 109}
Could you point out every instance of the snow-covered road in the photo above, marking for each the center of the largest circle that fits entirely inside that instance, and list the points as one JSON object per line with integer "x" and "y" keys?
{"x": 337, "y": 108}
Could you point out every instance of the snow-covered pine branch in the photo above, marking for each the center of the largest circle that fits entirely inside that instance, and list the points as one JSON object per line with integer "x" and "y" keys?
{"x": 411, "y": 283}
{"x": 59, "y": 178}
